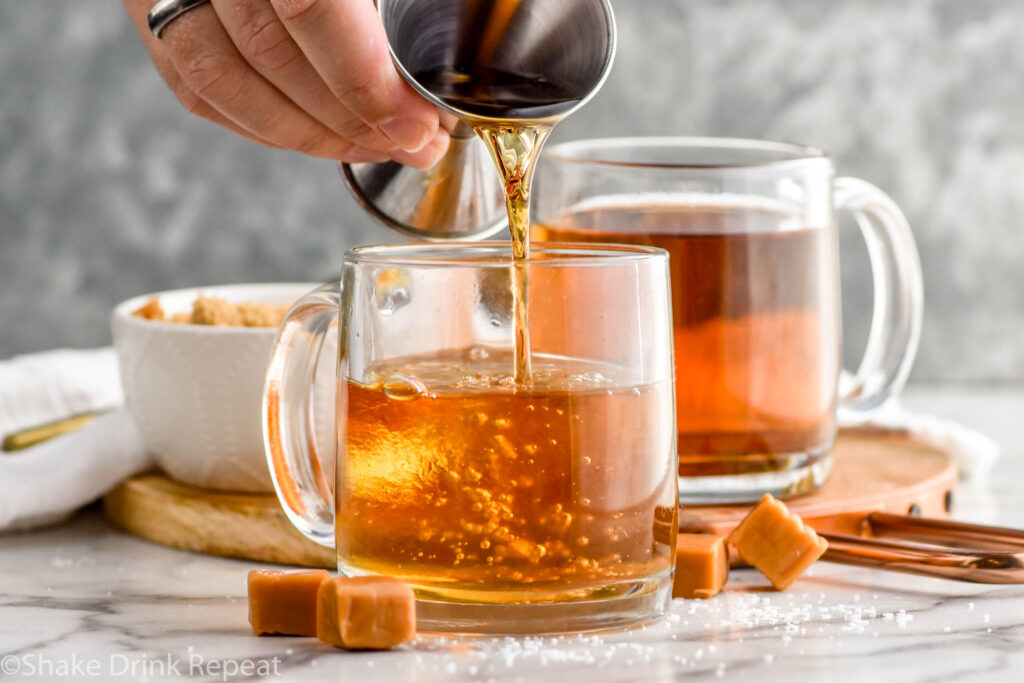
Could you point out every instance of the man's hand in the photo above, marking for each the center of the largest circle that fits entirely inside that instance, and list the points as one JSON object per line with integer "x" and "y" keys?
{"x": 309, "y": 75}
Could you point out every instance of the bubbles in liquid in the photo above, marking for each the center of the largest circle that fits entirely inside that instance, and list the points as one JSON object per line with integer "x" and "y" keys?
{"x": 589, "y": 379}
{"x": 403, "y": 387}
{"x": 479, "y": 353}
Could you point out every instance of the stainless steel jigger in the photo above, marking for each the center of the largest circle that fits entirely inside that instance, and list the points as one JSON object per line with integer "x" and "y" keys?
{"x": 461, "y": 197}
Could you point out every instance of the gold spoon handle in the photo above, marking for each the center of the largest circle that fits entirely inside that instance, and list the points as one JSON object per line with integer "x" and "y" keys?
{"x": 27, "y": 438}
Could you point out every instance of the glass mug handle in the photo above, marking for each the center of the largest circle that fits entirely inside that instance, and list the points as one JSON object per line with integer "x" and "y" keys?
{"x": 898, "y": 300}
{"x": 289, "y": 438}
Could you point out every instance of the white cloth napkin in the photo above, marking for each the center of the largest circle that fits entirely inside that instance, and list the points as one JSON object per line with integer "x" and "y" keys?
{"x": 49, "y": 386}
{"x": 45, "y": 483}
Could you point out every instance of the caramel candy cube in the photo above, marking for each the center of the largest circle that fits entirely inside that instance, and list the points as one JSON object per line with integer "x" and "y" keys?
{"x": 777, "y": 542}
{"x": 365, "y": 613}
{"x": 284, "y": 603}
{"x": 702, "y": 566}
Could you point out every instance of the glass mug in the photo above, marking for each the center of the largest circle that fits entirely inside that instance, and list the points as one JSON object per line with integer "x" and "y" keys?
{"x": 510, "y": 506}
{"x": 750, "y": 228}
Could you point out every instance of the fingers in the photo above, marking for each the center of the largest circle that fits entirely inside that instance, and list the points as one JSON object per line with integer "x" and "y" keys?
{"x": 286, "y": 81}
{"x": 209, "y": 66}
{"x": 428, "y": 155}
{"x": 261, "y": 38}
{"x": 346, "y": 44}
{"x": 448, "y": 120}
{"x": 188, "y": 99}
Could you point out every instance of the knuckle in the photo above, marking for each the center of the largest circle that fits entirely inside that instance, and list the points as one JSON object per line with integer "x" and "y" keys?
{"x": 214, "y": 77}
{"x": 362, "y": 94}
{"x": 355, "y": 129}
{"x": 306, "y": 10}
{"x": 193, "y": 103}
{"x": 373, "y": 140}
{"x": 313, "y": 143}
{"x": 267, "y": 43}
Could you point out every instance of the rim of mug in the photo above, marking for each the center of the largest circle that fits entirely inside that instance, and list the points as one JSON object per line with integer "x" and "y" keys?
{"x": 235, "y": 292}
{"x": 581, "y": 152}
{"x": 498, "y": 254}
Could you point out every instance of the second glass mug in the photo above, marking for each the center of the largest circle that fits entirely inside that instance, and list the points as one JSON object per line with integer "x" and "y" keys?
{"x": 509, "y": 507}
{"x": 751, "y": 230}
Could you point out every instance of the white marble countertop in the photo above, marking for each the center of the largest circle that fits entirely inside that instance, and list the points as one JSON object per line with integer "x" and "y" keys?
{"x": 83, "y": 601}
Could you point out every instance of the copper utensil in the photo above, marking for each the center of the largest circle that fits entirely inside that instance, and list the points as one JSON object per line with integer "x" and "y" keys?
{"x": 932, "y": 547}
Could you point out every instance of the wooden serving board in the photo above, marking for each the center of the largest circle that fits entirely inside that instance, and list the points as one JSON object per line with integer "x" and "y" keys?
{"x": 872, "y": 471}
{"x": 244, "y": 525}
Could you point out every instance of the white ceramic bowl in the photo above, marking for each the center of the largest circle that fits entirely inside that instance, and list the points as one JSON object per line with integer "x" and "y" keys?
{"x": 195, "y": 391}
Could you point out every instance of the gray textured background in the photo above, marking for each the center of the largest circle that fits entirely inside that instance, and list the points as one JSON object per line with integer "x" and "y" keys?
{"x": 108, "y": 189}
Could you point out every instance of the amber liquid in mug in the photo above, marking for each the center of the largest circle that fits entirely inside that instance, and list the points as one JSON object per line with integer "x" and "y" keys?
{"x": 455, "y": 478}
{"x": 505, "y": 476}
{"x": 755, "y": 325}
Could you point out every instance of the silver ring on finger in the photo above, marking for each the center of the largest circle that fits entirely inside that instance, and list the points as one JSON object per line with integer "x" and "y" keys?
{"x": 166, "y": 11}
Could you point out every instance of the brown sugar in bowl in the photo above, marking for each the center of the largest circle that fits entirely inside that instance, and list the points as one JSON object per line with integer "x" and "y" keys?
{"x": 195, "y": 391}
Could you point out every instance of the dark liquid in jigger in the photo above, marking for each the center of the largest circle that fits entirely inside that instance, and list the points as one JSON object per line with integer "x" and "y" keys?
{"x": 503, "y": 95}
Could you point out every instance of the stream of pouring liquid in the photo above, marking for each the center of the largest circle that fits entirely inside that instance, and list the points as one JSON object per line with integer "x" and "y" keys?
{"x": 515, "y": 147}
{"x": 513, "y": 113}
